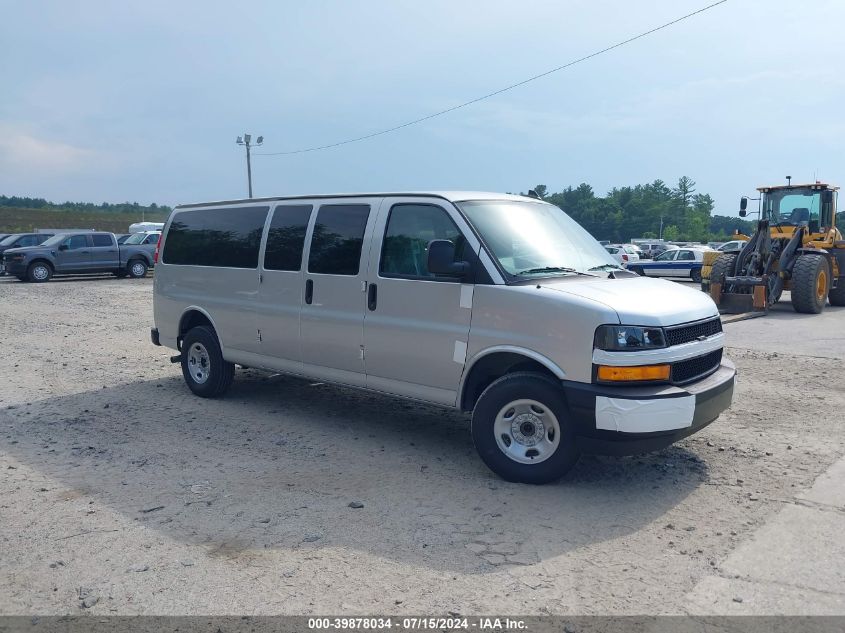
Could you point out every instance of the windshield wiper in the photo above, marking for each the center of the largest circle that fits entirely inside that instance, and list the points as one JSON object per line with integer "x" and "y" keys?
{"x": 553, "y": 269}
{"x": 606, "y": 266}
{"x": 547, "y": 269}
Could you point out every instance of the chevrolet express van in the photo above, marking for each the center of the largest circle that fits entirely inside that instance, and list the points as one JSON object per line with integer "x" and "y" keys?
{"x": 494, "y": 304}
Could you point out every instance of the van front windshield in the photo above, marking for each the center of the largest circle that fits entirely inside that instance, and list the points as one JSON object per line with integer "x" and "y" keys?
{"x": 531, "y": 239}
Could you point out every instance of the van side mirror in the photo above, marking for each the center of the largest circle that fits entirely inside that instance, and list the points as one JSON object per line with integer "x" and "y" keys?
{"x": 441, "y": 260}
{"x": 743, "y": 206}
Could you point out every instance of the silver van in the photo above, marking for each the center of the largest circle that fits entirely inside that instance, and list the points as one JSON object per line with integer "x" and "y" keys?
{"x": 494, "y": 304}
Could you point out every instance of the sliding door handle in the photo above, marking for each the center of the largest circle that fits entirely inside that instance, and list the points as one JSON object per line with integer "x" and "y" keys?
{"x": 372, "y": 297}
{"x": 309, "y": 291}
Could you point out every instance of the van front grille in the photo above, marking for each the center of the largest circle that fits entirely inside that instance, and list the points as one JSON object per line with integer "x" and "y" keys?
{"x": 688, "y": 333}
{"x": 698, "y": 367}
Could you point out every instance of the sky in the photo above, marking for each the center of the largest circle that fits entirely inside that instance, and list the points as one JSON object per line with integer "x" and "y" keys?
{"x": 143, "y": 100}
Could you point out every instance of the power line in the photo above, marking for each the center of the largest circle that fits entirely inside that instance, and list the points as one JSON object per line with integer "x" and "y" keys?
{"x": 496, "y": 92}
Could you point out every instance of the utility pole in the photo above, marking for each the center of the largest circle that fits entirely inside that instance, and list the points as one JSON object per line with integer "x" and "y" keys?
{"x": 246, "y": 141}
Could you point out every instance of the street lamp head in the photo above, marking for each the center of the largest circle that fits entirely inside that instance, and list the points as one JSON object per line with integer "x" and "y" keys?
{"x": 240, "y": 141}
{"x": 260, "y": 140}
{"x": 247, "y": 138}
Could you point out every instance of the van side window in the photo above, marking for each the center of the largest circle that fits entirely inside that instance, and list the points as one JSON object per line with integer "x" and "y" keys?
{"x": 338, "y": 239}
{"x": 215, "y": 237}
{"x": 410, "y": 227}
{"x": 101, "y": 239}
{"x": 286, "y": 237}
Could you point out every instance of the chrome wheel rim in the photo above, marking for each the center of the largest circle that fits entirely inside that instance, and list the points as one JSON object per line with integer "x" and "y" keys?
{"x": 199, "y": 364}
{"x": 527, "y": 431}
{"x": 40, "y": 273}
{"x": 138, "y": 269}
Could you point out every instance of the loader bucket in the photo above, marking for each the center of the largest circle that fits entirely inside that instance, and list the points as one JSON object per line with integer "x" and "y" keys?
{"x": 739, "y": 303}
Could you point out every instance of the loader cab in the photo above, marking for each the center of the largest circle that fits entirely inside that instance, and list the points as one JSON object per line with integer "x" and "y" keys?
{"x": 813, "y": 206}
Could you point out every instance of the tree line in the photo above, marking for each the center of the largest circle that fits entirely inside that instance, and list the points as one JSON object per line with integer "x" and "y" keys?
{"x": 677, "y": 213}
{"x": 88, "y": 207}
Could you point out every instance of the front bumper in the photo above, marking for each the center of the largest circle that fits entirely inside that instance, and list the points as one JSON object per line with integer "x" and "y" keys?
{"x": 629, "y": 420}
{"x": 13, "y": 267}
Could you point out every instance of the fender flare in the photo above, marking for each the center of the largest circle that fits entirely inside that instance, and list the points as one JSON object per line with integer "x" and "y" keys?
{"x": 508, "y": 349}
{"x": 202, "y": 311}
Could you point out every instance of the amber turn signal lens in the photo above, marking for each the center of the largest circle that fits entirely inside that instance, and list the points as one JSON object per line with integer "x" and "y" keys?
{"x": 638, "y": 372}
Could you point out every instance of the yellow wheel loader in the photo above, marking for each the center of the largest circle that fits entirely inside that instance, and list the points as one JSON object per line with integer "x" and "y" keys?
{"x": 796, "y": 247}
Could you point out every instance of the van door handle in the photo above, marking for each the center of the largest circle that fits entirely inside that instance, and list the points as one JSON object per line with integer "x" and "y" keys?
{"x": 372, "y": 297}
{"x": 309, "y": 291}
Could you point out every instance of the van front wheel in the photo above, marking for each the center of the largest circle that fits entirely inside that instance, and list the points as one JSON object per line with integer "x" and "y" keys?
{"x": 205, "y": 371}
{"x": 521, "y": 429}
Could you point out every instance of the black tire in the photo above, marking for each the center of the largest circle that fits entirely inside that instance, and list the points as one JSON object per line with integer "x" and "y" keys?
{"x": 810, "y": 284}
{"x": 637, "y": 269}
{"x": 21, "y": 277}
{"x": 39, "y": 272}
{"x": 214, "y": 376}
{"x": 722, "y": 267}
{"x": 544, "y": 391}
{"x": 836, "y": 296}
{"x": 695, "y": 275}
{"x": 121, "y": 273}
{"x": 136, "y": 268}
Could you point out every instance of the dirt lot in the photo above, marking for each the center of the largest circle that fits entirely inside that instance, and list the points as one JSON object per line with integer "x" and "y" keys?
{"x": 122, "y": 489}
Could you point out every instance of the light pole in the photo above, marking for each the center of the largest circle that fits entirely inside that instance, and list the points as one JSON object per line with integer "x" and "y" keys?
{"x": 246, "y": 142}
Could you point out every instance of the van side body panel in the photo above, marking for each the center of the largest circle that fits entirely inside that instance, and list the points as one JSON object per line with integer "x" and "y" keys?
{"x": 539, "y": 320}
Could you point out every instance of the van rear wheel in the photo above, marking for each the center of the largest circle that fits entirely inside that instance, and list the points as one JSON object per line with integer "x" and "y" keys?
{"x": 521, "y": 429}
{"x": 205, "y": 371}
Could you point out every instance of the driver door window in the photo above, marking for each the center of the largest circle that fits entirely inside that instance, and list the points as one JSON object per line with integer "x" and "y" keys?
{"x": 410, "y": 228}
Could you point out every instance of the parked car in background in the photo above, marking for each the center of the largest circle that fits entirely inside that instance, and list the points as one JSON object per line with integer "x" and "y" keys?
{"x": 75, "y": 253}
{"x": 676, "y": 262}
{"x": 636, "y": 249}
{"x": 146, "y": 238}
{"x": 732, "y": 246}
{"x": 623, "y": 253}
{"x": 3, "y": 236}
{"x": 604, "y": 242}
{"x": 651, "y": 249}
{"x": 19, "y": 240}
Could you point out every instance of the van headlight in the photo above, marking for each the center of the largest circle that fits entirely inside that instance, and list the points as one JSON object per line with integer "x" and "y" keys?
{"x": 628, "y": 338}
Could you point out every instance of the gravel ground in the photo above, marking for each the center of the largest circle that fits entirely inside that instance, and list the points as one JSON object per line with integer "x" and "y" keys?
{"x": 122, "y": 493}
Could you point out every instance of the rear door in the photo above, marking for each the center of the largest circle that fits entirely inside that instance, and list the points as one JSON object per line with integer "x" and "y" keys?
{"x": 104, "y": 253}
{"x": 332, "y": 317}
{"x": 684, "y": 262}
{"x": 410, "y": 312}
{"x": 281, "y": 292}
{"x": 74, "y": 254}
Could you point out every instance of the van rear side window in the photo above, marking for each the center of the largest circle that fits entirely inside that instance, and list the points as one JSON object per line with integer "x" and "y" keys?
{"x": 286, "y": 237}
{"x": 227, "y": 238}
{"x": 338, "y": 238}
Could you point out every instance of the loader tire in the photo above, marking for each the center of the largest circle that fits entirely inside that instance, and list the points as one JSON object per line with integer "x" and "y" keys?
{"x": 836, "y": 296}
{"x": 810, "y": 284}
{"x": 723, "y": 266}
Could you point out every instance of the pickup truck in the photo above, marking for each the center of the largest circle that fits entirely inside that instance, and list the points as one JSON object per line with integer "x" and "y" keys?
{"x": 75, "y": 253}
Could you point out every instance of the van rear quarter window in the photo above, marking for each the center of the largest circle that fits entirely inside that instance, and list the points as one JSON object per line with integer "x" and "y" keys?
{"x": 226, "y": 238}
{"x": 286, "y": 237}
{"x": 338, "y": 238}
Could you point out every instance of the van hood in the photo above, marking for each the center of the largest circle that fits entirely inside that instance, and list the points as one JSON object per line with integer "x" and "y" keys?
{"x": 641, "y": 300}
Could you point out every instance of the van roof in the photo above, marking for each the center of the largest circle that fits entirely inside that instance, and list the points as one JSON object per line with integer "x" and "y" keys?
{"x": 451, "y": 196}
